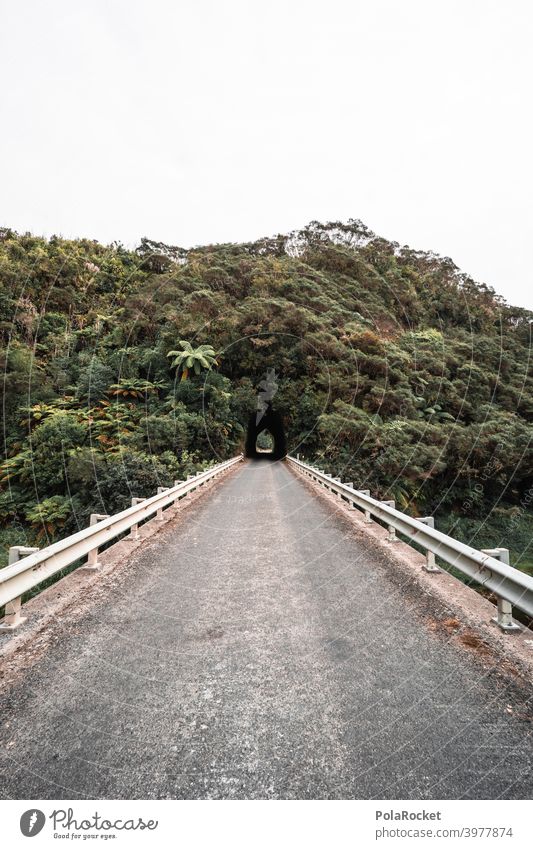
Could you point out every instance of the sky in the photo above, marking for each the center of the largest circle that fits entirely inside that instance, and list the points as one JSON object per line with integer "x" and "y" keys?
{"x": 201, "y": 121}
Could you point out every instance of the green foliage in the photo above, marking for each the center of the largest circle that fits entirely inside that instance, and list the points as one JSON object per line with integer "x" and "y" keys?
{"x": 395, "y": 370}
{"x": 120, "y": 476}
{"x": 94, "y": 381}
{"x": 133, "y": 388}
{"x": 51, "y": 444}
{"x": 265, "y": 441}
{"x": 202, "y": 357}
{"x": 158, "y": 433}
{"x": 47, "y": 517}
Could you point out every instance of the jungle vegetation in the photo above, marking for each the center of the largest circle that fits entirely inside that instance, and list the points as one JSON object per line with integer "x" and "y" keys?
{"x": 123, "y": 370}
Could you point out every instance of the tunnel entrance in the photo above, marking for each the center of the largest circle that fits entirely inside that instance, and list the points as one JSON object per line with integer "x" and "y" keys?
{"x": 265, "y": 438}
{"x": 265, "y": 442}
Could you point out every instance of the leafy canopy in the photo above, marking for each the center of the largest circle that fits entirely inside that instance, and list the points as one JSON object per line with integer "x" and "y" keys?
{"x": 202, "y": 357}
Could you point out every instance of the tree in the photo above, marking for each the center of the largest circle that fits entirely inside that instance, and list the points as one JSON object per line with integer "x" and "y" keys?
{"x": 94, "y": 381}
{"x": 41, "y": 463}
{"x": 397, "y": 371}
{"x": 134, "y": 388}
{"x": 202, "y": 357}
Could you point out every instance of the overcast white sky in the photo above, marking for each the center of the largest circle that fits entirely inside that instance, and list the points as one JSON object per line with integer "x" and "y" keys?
{"x": 197, "y": 121}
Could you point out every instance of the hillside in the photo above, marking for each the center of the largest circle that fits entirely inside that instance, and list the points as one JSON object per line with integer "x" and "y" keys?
{"x": 394, "y": 368}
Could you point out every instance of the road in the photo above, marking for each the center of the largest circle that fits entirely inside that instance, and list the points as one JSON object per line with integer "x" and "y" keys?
{"x": 261, "y": 649}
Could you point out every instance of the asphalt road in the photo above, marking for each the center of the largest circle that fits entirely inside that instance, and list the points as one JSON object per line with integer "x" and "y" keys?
{"x": 260, "y": 649}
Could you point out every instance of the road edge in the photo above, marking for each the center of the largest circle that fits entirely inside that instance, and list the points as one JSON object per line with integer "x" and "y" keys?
{"x": 73, "y": 594}
{"x": 466, "y": 617}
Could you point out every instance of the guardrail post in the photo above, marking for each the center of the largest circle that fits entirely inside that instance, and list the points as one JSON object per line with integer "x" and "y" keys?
{"x": 504, "y": 617}
{"x": 49, "y": 561}
{"x": 390, "y": 528}
{"x": 368, "y": 515}
{"x": 344, "y": 497}
{"x": 92, "y": 558}
{"x": 511, "y": 587}
{"x": 134, "y": 532}
{"x": 13, "y": 617}
{"x": 159, "y": 515}
{"x": 430, "y": 566}
{"x": 353, "y": 505}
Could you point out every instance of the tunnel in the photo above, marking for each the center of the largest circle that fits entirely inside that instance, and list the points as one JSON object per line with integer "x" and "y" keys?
{"x": 270, "y": 424}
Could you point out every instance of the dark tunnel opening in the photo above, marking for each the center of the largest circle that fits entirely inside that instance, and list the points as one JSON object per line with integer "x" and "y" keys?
{"x": 271, "y": 422}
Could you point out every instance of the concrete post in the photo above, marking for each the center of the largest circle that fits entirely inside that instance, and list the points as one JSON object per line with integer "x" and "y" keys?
{"x": 13, "y": 617}
{"x": 92, "y": 559}
{"x": 391, "y": 529}
{"x": 368, "y": 517}
{"x": 504, "y": 617}
{"x": 159, "y": 514}
{"x": 179, "y": 496}
{"x": 345, "y": 497}
{"x": 430, "y": 565}
{"x": 353, "y": 505}
{"x": 134, "y": 532}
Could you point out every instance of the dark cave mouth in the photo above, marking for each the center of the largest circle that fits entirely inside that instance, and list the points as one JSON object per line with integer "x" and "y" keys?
{"x": 265, "y": 436}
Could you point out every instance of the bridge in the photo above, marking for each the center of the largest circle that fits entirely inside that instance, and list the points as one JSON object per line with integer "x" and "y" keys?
{"x": 264, "y": 630}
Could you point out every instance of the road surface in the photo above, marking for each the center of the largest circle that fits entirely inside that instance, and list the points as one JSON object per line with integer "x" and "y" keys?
{"x": 261, "y": 649}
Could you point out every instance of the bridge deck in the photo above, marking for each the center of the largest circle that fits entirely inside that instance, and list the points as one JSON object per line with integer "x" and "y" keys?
{"x": 260, "y": 649}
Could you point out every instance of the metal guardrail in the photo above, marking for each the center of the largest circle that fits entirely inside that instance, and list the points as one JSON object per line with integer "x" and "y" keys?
{"x": 489, "y": 568}
{"x": 28, "y": 572}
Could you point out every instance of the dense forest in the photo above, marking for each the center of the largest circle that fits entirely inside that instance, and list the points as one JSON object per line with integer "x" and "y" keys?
{"x": 125, "y": 369}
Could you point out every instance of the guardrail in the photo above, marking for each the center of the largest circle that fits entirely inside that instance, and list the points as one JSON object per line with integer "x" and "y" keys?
{"x": 489, "y": 567}
{"x": 32, "y": 569}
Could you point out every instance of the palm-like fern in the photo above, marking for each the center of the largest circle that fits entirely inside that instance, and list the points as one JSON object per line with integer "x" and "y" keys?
{"x": 202, "y": 357}
{"x": 134, "y": 387}
{"x": 49, "y": 515}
